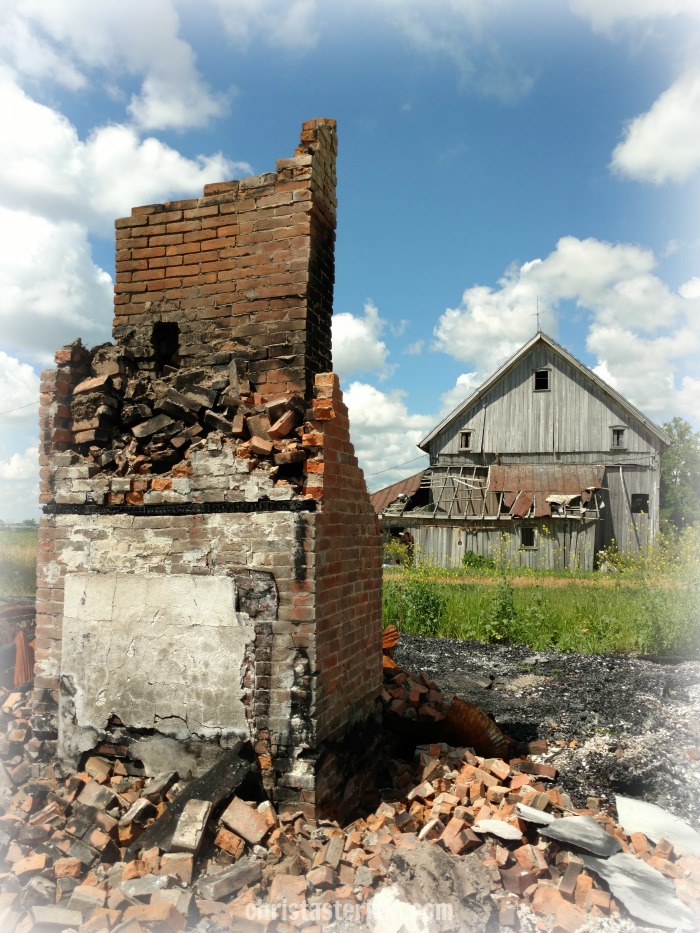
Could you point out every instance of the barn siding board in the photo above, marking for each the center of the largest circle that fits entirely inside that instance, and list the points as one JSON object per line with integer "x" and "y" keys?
{"x": 566, "y": 545}
{"x": 521, "y": 420}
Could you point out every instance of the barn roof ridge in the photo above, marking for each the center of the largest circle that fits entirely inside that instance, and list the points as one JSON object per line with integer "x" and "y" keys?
{"x": 498, "y": 374}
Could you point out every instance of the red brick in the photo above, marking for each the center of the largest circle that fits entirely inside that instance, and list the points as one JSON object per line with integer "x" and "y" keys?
{"x": 244, "y": 821}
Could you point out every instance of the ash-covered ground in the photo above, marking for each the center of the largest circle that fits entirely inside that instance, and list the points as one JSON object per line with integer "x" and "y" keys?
{"x": 615, "y": 724}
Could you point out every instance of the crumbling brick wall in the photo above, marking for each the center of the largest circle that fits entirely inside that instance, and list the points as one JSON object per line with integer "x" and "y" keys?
{"x": 209, "y": 561}
{"x": 244, "y": 273}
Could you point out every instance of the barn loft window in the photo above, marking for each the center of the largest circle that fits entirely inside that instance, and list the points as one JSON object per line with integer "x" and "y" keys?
{"x": 466, "y": 440}
{"x": 527, "y": 538}
{"x": 640, "y": 502}
{"x": 617, "y": 438}
{"x": 541, "y": 380}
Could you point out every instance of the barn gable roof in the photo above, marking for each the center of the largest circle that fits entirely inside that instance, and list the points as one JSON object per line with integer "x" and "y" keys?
{"x": 540, "y": 337}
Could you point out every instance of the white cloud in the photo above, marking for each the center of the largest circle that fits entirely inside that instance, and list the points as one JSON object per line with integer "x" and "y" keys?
{"x": 357, "y": 346}
{"x": 464, "y": 386}
{"x": 639, "y": 330}
{"x": 458, "y": 32}
{"x": 691, "y": 288}
{"x": 603, "y": 15}
{"x": 50, "y": 289}
{"x": 48, "y": 170}
{"x": 19, "y": 485}
{"x": 490, "y": 325}
{"x": 384, "y": 433}
{"x": 21, "y": 467}
{"x": 642, "y": 368}
{"x": 287, "y": 23}
{"x": 415, "y": 348}
{"x": 19, "y": 391}
{"x": 74, "y": 39}
{"x": 663, "y": 144}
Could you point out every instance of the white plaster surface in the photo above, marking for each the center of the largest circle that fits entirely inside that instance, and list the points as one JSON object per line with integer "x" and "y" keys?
{"x": 161, "y": 651}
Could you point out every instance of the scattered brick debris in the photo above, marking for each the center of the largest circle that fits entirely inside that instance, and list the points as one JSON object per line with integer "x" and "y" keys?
{"x": 75, "y": 852}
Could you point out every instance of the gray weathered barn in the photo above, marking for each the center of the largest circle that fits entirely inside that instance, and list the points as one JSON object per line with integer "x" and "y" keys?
{"x": 545, "y": 461}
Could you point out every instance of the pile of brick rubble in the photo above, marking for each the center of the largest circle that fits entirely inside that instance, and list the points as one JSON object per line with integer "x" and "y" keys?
{"x": 70, "y": 857}
{"x": 142, "y": 427}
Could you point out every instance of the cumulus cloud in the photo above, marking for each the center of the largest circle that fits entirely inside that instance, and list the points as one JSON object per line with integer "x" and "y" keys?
{"x": 459, "y": 33}
{"x": 289, "y": 23}
{"x": 603, "y": 15}
{"x": 50, "y": 288}
{"x": 464, "y": 386}
{"x": 638, "y": 329}
{"x": 20, "y": 467}
{"x": 663, "y": 144}
{"x": 357, "y": 343}
{"x": 74, "y": 39}
{"x": 19, "y": 391}
{"x": 19, "y": 485}
{"x": 691, "y": 288}
{"x": 47, "y": 169}
{"x": 385, "y": 433}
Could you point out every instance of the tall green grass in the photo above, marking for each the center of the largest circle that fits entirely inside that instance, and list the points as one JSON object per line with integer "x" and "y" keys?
{"x": 18, "y": 562}
{"x": 640, "y": 618}
{"x": 651, "y": 605}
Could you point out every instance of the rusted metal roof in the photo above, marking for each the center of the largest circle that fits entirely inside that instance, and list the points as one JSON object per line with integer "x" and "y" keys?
{"x": 526, "y": 485}
{"x": 384, "y": 497}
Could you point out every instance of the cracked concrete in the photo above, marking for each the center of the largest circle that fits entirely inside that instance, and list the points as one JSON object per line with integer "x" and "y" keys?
{"x": 161, "y": 653}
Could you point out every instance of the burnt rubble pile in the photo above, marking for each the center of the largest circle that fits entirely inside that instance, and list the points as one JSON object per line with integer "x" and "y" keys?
{"x": 125, "y": 421}
{"x": 108, "y": 849}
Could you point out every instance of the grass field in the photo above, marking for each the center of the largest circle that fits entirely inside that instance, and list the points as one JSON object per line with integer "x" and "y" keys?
{"x": 18, "y": 562}
{"x": 650, "y": 606}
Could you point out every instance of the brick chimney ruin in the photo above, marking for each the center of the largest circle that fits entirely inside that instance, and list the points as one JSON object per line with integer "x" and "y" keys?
{"x": 209, "y": 560}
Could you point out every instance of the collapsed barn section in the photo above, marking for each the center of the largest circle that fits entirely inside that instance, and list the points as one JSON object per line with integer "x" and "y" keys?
{"x": 209, "y": 560}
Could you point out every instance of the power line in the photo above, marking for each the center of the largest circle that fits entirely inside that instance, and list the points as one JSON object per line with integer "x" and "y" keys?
{"x": 11, "y": 410}
{"x": 389, "y": 469}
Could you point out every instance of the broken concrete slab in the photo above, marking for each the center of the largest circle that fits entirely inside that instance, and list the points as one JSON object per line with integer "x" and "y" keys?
{"x": 141, "y": 888}
{"x": 584, "y": 833}
{"x": 156, "y": 789}
{"x": 643, "y": 890}
{"x": 533, "y": 815}
{"x": 637, "y": 816}
{"x": 135, "y": 647}
{"x": 498, "y": 828}
{"x": 243, "y": 874}
{"x": 55, "y": 917}
{"x": 189, "y": 832}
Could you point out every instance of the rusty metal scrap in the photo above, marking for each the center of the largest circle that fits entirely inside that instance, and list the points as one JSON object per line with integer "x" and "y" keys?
{"x": 468, "y": 725}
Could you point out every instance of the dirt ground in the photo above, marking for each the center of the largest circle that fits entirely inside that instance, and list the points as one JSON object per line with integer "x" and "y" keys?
{"x": 614, "y": 724}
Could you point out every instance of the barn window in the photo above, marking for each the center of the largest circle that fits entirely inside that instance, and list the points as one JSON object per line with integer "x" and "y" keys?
{"x": 466, "y": 440}
{"x": 527, "y": 537}
{"x": 541, "y": 380}
{"x": 617, "y": 438}
{"x": 640, "y": 502}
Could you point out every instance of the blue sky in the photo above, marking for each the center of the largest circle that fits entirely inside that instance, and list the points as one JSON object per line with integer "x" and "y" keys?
{"x": 495, "y": 157}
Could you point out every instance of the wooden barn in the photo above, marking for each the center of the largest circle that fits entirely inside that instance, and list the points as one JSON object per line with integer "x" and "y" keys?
{"x": 545, "y": 462}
